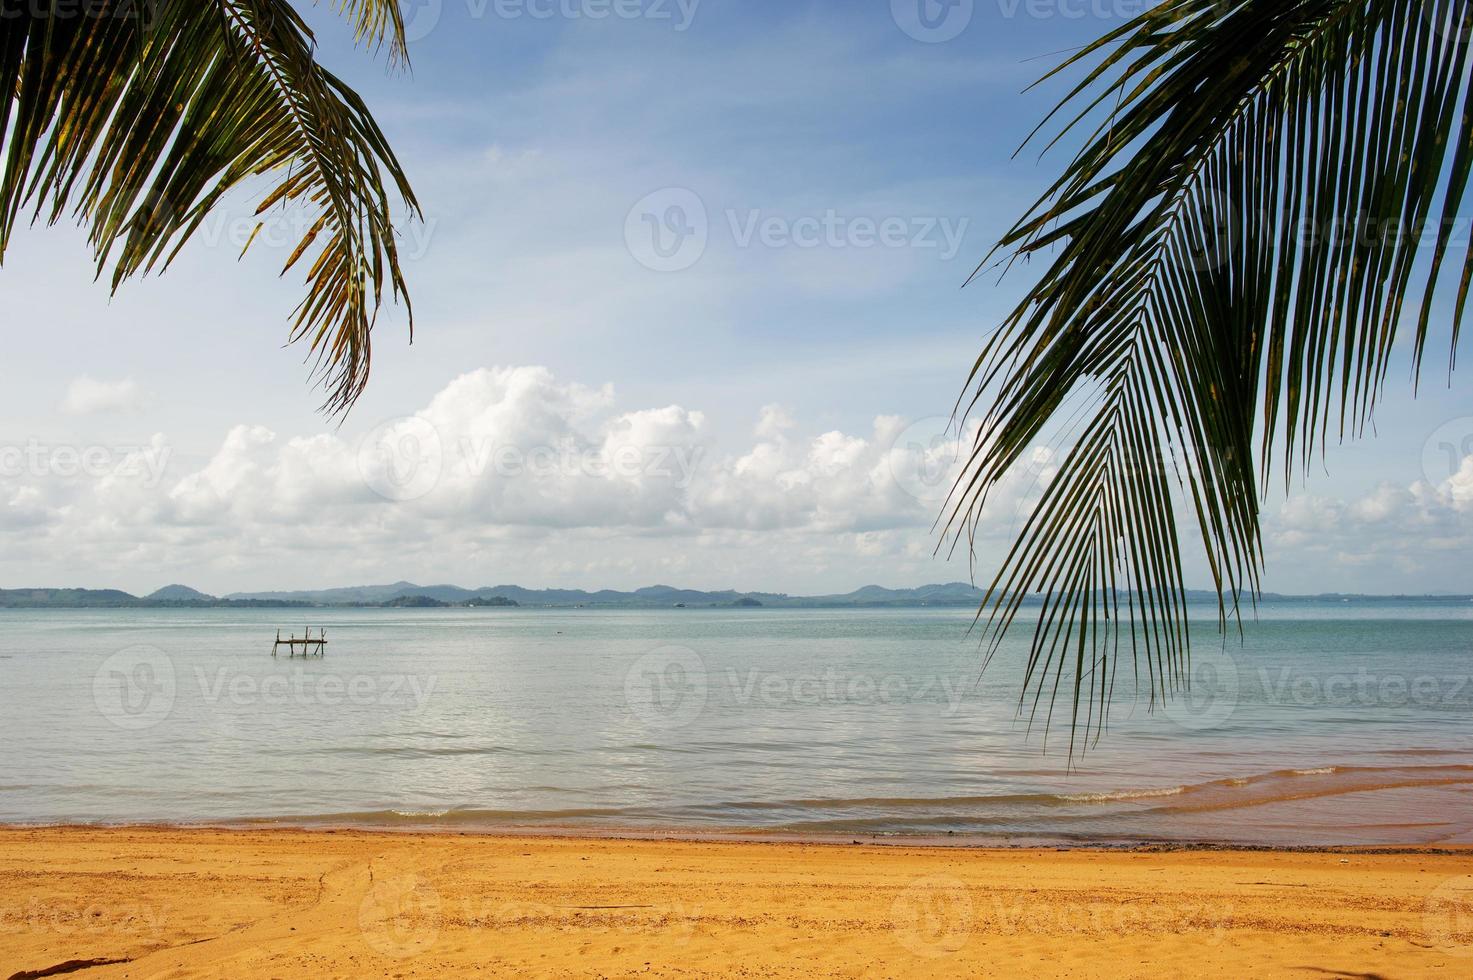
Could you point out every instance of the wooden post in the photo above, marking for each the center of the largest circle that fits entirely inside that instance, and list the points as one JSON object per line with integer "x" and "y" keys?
{"x": 307, "y": 642}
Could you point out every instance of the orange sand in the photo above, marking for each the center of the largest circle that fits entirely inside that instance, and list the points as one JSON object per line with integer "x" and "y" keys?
{"x": 244, "y": 904}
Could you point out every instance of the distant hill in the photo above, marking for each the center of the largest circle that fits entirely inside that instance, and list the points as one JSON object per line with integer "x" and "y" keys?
{"x": 409, "y": 595}
{"x": 178, "y": 593}
{"x": 173, "y": 596}
{"x": 649, "y": 597}
{"x": 415, "y": 602}
{"x": 496, "y": 600}
{"x": 947, "y": 594}
{"x": 66, "y": 598}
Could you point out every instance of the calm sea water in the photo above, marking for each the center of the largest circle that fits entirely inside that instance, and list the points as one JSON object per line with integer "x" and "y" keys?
{"x": 1328, "y": 723}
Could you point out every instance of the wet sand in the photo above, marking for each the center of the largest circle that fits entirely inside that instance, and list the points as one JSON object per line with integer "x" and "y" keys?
{"x": 159, "y": 902}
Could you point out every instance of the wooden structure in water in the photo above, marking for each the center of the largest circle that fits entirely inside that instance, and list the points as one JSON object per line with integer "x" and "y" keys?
{"x": 309, "y": 644}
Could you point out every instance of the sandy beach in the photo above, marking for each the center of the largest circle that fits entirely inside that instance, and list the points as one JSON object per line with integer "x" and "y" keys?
{"x": 153, "y": 902}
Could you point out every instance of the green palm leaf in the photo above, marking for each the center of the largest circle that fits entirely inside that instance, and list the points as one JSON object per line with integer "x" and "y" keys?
{"x": 1263, "y": 201}
{"x": 136, "y": 117}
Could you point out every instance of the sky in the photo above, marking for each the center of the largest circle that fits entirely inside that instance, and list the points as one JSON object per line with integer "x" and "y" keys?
{"x": 688, "y": 310}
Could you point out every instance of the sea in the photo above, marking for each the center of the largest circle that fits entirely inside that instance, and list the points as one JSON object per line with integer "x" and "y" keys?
{"x": 1320, "y": 722}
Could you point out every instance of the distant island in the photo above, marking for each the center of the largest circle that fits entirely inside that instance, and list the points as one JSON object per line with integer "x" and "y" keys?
{"x": 407, "y": 595}
{"x": 427, "y": 602}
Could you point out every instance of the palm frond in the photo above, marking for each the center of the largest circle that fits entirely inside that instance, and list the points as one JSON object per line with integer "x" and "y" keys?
{"x": 378, "y": 23}
{"x": 138, "y": 117}
{"x": 1264, "y": 197}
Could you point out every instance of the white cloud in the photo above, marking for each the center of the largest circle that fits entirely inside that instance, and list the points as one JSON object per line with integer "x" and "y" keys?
{"x": 516, "y": 447}
{"x": 515, "y": 460}
{"x": 773, "y": 421}
{"x": 88, "y": 396}
{"x": 1375, "y": 541}
{"x": 1457, "y": 489}
{"x": 514, "y": 474}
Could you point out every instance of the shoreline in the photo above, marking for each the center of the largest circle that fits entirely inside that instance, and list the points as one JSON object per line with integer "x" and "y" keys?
{"x": 274, "y": 901}
{"x": 755, "y": 836}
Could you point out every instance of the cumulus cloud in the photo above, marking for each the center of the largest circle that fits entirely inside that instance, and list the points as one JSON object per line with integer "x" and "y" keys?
{"x": 88, "y": 396}
{"x": 1393, "y": 532}
{"x": 512, "y": 473}
{"x": 508, "y": 460}
{"x": 516, "y": 447}
{"x": 773, "y": 421}
{"x": 1457, "y": 489}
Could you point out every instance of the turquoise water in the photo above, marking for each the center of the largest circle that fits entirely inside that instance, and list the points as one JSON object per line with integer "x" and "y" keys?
{"x": 1329, "y": 723}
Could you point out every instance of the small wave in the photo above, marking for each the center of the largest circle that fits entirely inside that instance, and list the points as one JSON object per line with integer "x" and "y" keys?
{"x": 1161, "y": 811}
{"x": 1122, "y": 794}
{"x": 1286, "y": 785}
{"x": 419, "y": 813}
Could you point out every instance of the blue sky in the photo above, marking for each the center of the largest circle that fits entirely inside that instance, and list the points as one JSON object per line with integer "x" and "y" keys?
{"x": 850, "y": 175}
